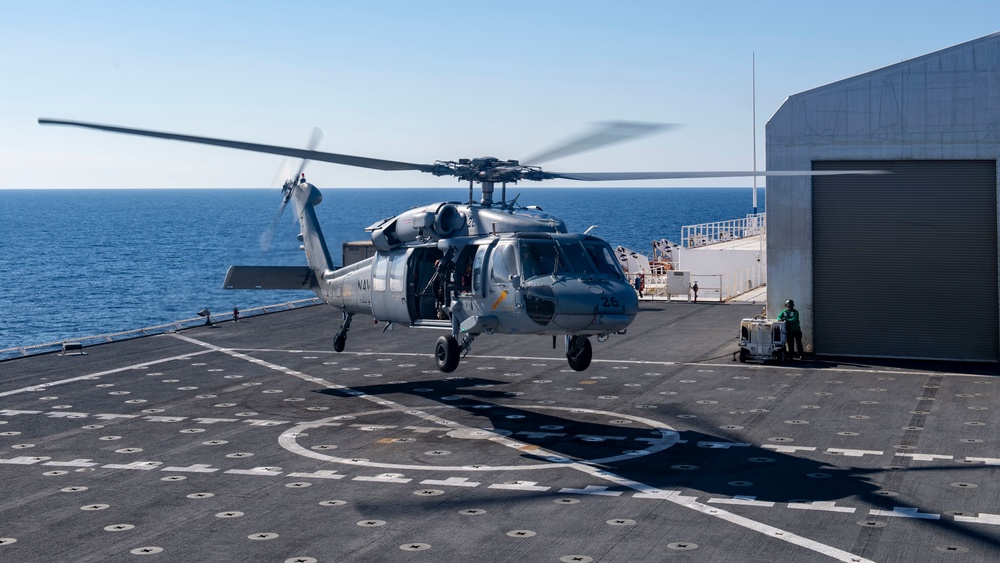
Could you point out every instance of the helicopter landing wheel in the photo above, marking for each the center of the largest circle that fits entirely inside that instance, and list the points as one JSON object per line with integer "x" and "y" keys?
{"x": 447, "y": 353}
{"x": 579, "y": 355}
{"x": 339, "y": 342}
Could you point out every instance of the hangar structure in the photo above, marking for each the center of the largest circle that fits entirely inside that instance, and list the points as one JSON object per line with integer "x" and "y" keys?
{"x": 898, "y": 265}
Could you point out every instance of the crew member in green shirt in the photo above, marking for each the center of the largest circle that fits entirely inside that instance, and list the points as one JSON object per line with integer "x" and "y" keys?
{"x": 793, "y": 330}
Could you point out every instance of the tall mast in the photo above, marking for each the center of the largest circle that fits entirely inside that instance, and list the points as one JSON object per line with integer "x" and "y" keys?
{"x": 753, "y": 96}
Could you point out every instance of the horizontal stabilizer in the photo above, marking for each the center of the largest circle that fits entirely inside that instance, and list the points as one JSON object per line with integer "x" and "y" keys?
{"x": 269, "y": 277}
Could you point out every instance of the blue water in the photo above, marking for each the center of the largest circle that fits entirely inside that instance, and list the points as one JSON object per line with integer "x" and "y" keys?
{"x": 75, "y": 263}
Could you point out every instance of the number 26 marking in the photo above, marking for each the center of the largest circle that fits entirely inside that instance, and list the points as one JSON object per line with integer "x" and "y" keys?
{"x": 609, "y": 301}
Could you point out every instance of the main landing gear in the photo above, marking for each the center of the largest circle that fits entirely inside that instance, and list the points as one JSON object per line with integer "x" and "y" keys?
{"x": 578, "y": 352}
{"x": 448, "y": 352}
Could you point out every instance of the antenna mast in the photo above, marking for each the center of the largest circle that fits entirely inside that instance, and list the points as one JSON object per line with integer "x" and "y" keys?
{"x": 753, "y": 97}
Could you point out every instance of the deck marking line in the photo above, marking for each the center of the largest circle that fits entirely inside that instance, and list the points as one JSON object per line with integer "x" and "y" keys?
{"x": 44, "y": 386}
{"x": 642, "y": 488}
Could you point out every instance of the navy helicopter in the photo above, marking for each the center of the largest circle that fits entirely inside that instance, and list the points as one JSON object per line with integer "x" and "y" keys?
{"x": 467, "y": 268}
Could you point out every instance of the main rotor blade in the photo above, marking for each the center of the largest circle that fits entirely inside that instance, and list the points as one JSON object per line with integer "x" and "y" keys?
{"x": 347, "y": 160}
{"x": 612, "y": 176}
{"x": 607, "y": 133}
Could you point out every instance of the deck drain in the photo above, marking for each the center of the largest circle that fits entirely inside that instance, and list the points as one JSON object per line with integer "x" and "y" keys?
{"x": 332, "y": 502}
{"x": 371, "y": 523}
{"x": 965, "y": 485}
{"x": 859, "y": 417}
{"x": 201, "y": 495}
{"x": 761, "y": 459}
{"x": 971, "y": 441}
{"x": 975, "y": 423}
{"x": 886, "y": 493}
{"x": 780, "y": 439}
{"x": 520, "y": 533}
{"x": 128, "y": 450}
{"x": 174, "y": 478}
{"x": 472, "y": 511}
{"x": 869, "y": 402}
{"x": 229, "y": 514}
{"x": 415, "y": 546}
{"x": 55, "y": 473}
{"x": 148, "y": 550}
{"x": 871, "y": 524}
{"x": 322, "y": 447}
{"x": 685, "y": 467}
{"x": 576, "y": 559}
{"x": 847, "y": 434}
{"x": 796, "y": 422}
{"x": 682, "y": 546}
{"x": 73, "y": 489}
{"x": 109, "y": 438}
{"x": 620, "y": 421}
{"x": 810, "y": 407}
{"x": 913, "y": 428}
{"x": 90, "y": 507}
{"x": 428, "y": 492}
{"x": 566, "y": 501}
{"x": 621, "y": 522}
{"x": 740, "y": 483}
{"x": 262, "y": 536}
{"x": 118, "y": 527}
{"x": 239, "y": 455}
{"x": 707, "y": 402}
{"x": 192, "y": 431}
{"x": 438, "y": 452}
{"x": 952, "y": 548}
{"x": 298, "y": 485}
{"x": 687, "y": 416}
{"x": 818, "y": 475}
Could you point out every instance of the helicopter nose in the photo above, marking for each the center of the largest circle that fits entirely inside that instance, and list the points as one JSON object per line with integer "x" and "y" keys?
{"x": 582, "y": 306}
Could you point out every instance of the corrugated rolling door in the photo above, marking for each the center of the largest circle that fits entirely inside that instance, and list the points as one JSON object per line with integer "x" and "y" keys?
{"x": 905, "y": 264}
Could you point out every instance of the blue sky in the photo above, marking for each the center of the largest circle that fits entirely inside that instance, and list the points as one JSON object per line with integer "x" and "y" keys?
{"x": 423, "y": 81}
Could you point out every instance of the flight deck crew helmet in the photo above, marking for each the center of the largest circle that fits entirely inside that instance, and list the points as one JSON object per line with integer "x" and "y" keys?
{"x": 789, "y": 303}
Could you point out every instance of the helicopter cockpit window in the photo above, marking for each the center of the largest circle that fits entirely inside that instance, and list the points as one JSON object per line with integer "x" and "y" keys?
{"x": 605, "y": 260}
{"x": 541, "y": 259}
{"x": 578, "y": 258}
{"x": 504, "y": 263}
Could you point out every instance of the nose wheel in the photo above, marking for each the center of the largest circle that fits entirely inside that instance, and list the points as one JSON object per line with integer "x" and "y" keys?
{"x": 579, "y": 352}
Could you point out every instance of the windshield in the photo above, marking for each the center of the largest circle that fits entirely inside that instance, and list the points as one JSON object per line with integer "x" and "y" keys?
{"x": 546, "y": 258}
{"x": 541, "y": 258}
{"x": 605, "y": 260}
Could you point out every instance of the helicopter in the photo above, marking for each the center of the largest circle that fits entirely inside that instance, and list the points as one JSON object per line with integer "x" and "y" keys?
{"x": 467, "y": 268}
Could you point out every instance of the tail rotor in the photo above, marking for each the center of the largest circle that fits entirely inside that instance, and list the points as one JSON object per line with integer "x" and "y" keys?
{"x": 288, "y": 188}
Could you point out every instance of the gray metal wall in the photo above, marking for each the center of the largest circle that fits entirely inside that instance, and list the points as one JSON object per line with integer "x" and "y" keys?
{"x": 944, "y": 106}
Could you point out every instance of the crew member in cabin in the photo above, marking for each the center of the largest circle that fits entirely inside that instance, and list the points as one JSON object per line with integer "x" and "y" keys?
{"x": 793, "y": 329}
{"x": 638, "y": 284}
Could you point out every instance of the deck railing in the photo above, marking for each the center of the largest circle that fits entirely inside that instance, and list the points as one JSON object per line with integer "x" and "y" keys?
{"x": 704, "y": 234}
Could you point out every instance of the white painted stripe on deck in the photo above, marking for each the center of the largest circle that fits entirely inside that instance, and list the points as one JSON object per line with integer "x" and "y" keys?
{"x": 43, "y": 386}
{"x": 644, "y": 491}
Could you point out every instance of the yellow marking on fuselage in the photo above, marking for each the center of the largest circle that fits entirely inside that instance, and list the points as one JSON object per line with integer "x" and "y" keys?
{"x": 503, "y": 295}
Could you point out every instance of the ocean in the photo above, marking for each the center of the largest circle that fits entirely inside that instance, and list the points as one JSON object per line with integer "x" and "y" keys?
{"x": 76, "y": 263}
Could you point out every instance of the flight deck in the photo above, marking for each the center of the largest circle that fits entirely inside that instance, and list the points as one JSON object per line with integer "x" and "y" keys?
{"x": 255, "y": 441}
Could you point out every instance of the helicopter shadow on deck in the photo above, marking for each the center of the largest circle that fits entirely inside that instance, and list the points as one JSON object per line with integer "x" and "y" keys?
{"x": 712, "y": 464}
{"x": 699, "y": 460}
